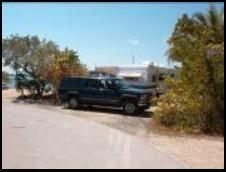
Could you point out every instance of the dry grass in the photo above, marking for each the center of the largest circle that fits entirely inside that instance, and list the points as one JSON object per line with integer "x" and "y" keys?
{"x": 196, "y": 151}
{"x": 9, "y": 94}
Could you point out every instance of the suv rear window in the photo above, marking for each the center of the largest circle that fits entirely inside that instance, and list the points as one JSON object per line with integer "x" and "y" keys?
{"x": 91, "y": 83}
{"x": 72, "y": 82}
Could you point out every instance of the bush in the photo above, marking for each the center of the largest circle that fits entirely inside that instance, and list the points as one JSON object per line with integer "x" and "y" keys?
{"x": 189, "y": 111}
{"x": 195, "y": 101}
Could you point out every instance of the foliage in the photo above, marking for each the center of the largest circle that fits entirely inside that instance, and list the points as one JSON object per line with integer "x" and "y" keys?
{"x": 38, "y": 63}
{"x": 66, "y": 63}
{"x": 29, "y": 57}
{"x": 195, "y": 101}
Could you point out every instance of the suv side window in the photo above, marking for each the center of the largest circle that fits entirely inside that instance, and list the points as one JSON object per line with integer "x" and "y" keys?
{"x": 103, "y": 84}
{"x": 110, "y": 84}
{"x": 91, "y": 83}
{"x": 106, "y": 84}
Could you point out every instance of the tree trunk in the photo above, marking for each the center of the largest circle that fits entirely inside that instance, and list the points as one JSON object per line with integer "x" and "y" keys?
{"x": 22, "y": 91}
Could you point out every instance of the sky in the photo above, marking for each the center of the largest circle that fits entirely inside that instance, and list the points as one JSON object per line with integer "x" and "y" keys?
{"x": 102, "y": 33}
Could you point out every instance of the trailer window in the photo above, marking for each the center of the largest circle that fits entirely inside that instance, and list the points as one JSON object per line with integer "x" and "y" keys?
{"x": 162, "y": 77}
{"x": 131, "y": 78}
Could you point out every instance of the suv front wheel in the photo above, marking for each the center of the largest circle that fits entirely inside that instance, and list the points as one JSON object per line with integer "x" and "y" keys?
{"x": 73, "y": 103}
{"x": 129, "y": 107}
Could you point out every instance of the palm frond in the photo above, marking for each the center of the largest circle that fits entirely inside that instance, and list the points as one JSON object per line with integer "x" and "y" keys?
{"x": 201, "y": 18}
{"x": 213, "y": 16}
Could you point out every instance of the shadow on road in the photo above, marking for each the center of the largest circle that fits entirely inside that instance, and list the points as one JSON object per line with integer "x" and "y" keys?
{"x": 94, "y": 108}
{"x": 110, "y": 110}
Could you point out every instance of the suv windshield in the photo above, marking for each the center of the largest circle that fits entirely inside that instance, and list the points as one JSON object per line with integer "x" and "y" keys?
{"x": 121, "y": 83}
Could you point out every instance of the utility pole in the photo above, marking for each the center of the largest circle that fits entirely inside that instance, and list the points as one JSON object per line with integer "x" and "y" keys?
{"x": 133, "y": 60}
{"x": 95, "y": 66}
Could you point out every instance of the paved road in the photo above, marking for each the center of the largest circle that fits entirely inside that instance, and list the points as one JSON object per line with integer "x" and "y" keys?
{"x": 41, "y": 138}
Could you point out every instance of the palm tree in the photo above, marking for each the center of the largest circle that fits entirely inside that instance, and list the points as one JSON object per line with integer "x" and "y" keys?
{"x": 214, "y": 21}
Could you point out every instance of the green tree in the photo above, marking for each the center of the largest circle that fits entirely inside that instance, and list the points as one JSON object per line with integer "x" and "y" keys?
{"x": 29, "y": 57}
{"x": 39, "y": 62}
{"x": 196, "y": 99}
{"x": 214, "y": 21}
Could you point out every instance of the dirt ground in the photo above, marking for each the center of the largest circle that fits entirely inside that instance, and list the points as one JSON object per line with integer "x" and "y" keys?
{"x": 195, "y": 151}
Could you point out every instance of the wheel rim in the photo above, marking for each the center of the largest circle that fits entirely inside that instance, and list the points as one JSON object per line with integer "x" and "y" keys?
{"x": 73, "y": 103}
{"x": 130, "y": 108}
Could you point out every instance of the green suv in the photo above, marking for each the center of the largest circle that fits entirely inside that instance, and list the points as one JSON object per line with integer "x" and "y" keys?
{"x": 105, "y": 92}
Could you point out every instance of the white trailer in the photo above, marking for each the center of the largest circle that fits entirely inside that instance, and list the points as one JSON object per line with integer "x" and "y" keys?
{"x": 147, "y": 74}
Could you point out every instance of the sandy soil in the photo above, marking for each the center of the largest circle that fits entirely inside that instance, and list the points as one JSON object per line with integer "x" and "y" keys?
{"x": 200, "y": 151}
{"x": 11, "y": 94}
{"x": 196, "y": 151}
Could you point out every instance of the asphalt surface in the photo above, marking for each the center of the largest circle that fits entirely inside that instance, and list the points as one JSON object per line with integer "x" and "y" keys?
{"x": 40, "y": 138}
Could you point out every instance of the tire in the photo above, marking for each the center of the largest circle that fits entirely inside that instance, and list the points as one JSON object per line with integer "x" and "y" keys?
{"x": 129, "y": 107}
{"x": 73, "y": 103}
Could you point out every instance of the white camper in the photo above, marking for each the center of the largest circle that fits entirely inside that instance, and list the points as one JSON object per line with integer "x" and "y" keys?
{"x": 147, "y": 74}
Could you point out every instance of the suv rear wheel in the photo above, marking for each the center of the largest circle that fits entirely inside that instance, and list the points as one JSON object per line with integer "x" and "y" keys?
{"x": 73, "y": 103}
{"x": 129, "y": 107}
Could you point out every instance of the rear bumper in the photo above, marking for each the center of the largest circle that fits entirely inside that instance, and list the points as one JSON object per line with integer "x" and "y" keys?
{"x": 143, "y": 105}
